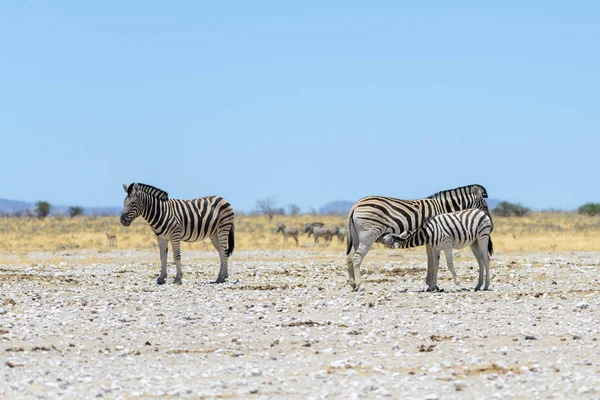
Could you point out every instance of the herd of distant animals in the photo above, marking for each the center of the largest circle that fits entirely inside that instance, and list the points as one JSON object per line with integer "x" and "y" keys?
{"x": 316, "y": 229}
{"x": 448, "y": 219}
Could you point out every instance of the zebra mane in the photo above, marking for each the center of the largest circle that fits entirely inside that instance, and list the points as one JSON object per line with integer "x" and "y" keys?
{"x": 473, "y": 189}
{"x": 151, "y": 190}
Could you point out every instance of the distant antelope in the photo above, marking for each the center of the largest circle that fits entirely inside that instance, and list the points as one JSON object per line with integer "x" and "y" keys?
{"x": 111, "y": 237}
{"x": 287, "y": 232}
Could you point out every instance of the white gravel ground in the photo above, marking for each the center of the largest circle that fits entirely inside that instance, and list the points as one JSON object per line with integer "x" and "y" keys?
{"x": 91, "y": 324}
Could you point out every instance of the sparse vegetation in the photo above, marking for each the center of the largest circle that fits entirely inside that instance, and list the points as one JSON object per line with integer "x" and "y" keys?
{"x": 75, "y": 211}
{"x": 42, "y": 209}
{"x": 537, "y": 231}
{"x": 266, "y": 206}
{"x": 507, "y": 209}
{"x": 590, "y": 209}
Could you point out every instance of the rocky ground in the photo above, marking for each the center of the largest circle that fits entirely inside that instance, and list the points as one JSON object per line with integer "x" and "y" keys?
{"x": 85, "y": 324}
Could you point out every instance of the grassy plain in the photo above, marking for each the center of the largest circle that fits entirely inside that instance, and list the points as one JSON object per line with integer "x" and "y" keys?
{"x": 541, "y": 231}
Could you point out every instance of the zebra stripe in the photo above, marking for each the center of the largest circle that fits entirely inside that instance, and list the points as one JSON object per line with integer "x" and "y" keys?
{"x": 178, "y": 220}
{"x": 456, "y": 230}
{"x": 372, "y": 217}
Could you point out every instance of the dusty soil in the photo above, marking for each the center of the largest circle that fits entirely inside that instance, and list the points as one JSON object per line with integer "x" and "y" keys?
{"x": 85, "y": 324}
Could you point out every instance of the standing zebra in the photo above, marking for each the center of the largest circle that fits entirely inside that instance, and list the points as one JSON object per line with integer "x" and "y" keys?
{"x": 456, "y": 230}
{"x": 372, "y": 217}
{"x": 340, "y": 233}
{"x": 287, "y": 232}
{"x": 175, "y": 220}
{"x": 319, "y": 232}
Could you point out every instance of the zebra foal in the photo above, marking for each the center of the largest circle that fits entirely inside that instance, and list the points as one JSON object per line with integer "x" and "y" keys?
{"x": 375, "y": 216}
{"x": 175, "y": 220}
{"x": 291, "y": 231}
{"x": 456, "y": 230}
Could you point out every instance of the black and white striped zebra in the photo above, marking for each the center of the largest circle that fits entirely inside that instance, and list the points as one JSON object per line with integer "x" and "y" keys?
{"x": 288, "y": 231}
{"x": 456, "y": 230}
{"x": 372, "y": 217}
{"x": 175, "y": 220}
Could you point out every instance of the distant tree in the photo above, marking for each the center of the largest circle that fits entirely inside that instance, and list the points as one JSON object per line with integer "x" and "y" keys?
{"x": 312, "y": 211}
{"x": 75, "y": 211}
{"x": 42, "y": 209}
{"x": 590, "y": 209}
{"x": 266, "y": 206}
{"x": 293, "y": 209}
{"x": 507, "y": 209}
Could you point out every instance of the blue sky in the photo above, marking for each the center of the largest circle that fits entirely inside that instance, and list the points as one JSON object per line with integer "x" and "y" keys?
{"x": 309, "y": 102}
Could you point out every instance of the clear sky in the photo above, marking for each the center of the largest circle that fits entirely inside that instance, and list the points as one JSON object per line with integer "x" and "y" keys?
{"x": 307, "y": 101}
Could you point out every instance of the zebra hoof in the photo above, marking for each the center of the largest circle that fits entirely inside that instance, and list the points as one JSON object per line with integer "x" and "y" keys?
{"x": 477, "y": 288}
{"x": 219, "y": 280}
{"x": 177, "y": 281}
{"x": 160, "y": 281}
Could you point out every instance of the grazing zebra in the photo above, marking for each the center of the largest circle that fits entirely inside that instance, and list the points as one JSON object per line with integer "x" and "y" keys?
{"x": 287, "y": 232}
{"x": 175, "y": 220}
{"x": 340, "y": 233}
{"x": 111, "y": 238}
{"x": 372, "y": 217}
{"x": 456, "y": 230}
{"x": 319, "y": 231}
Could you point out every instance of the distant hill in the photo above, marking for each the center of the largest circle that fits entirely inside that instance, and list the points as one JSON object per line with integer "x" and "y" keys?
{"x": 336, "y": 207}
{"x": 13, "y": 206}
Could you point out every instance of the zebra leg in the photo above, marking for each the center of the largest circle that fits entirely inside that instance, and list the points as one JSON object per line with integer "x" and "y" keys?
{"x": 177, "y": 256}
{"x": 433, "y": 260}
{"x": 163, "y": 246}
{"x": 219, "y": 240}
{"x": 366, "y": 240}
{"x": 483, "y": 248}
{"x": 450, "y": 262}
{"x": 433, "y": 287}
{"x": 350, "y": 267}
{"x": 296, "y": 239}
{"x": 479, "y": 256}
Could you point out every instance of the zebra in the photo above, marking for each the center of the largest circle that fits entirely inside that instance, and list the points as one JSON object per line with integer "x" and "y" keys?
{"x": 372, "y": 217}
{"x": 319, "y": 231}
{"x": 471, "y": 227}
{"x": 340, "y": 233}
{"x": 175, "y": 220}
{"x": 287, "y": 232}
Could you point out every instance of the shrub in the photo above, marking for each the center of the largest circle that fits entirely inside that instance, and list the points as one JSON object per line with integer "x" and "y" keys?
{"x": 42, "y": 209}
{"x": 507, "y": 209}
{"x": 589, "y": 209}
{"x": 75, "y": 211}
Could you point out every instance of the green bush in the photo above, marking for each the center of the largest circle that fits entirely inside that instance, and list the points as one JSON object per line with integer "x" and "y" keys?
{"x": 589, "y": 209}
{"x": 42, "y": 209}
{"x": 75, "y": 211}
{"x": 507, "y": 209}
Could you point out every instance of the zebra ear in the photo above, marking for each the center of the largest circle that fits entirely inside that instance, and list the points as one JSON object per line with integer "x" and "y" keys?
{"x": 125, "y": 188}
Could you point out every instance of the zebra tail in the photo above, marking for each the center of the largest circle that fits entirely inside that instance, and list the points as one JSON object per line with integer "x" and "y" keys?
{"x": 490, "y": 247}
{"x": 231, "y": 241}
{"x": 350, "y": 228}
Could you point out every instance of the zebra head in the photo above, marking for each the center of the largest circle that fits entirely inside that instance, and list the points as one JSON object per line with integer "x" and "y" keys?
{"x": 131, "y": 206}
{"x": 280, "y": 228}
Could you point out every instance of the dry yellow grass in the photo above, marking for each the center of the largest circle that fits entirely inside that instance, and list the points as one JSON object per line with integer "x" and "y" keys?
{"x": 537, "y": 232}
